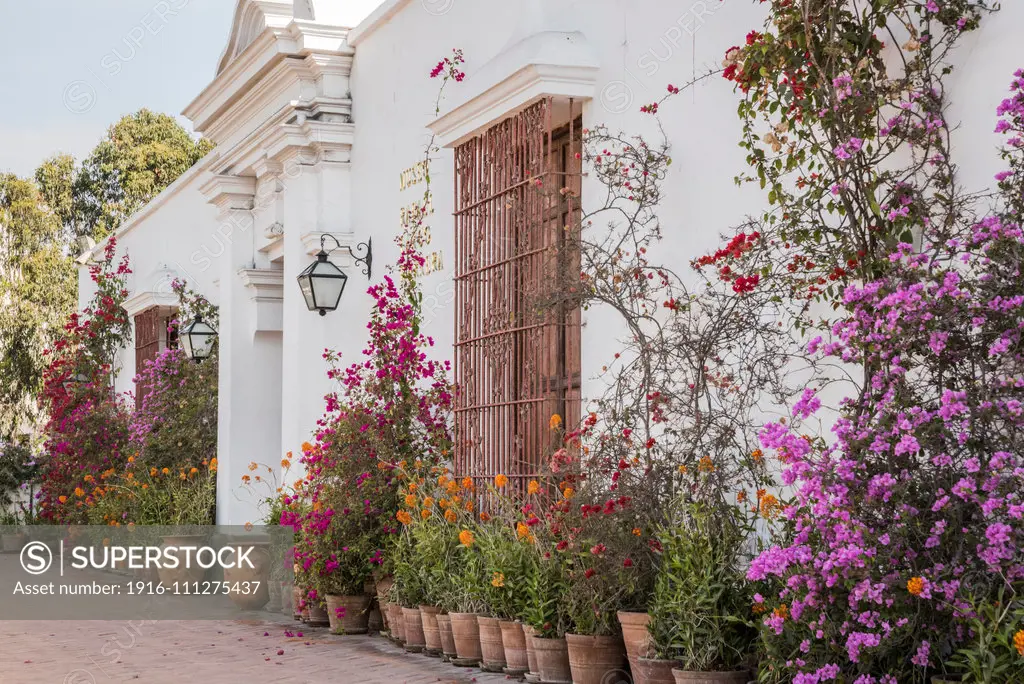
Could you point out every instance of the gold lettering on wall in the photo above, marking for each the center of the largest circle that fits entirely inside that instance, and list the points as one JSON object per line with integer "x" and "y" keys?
{"x": 413, "y": 217}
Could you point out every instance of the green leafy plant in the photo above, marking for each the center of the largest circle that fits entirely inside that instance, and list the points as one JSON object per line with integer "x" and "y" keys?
{"x": 995, "y": 654}
{"x": 701, "y": 610}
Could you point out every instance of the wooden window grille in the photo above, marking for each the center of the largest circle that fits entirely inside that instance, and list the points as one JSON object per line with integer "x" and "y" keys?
{"x": 517, "y": 349}
{"x": 152, "y": 335}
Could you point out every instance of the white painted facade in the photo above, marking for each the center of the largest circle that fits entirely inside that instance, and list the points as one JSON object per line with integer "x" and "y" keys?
{"x": 314, "y": 123}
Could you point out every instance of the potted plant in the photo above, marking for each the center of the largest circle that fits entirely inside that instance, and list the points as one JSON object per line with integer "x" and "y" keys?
{"x": 467, "y": 596}
{"x": 546, "y": 620}
{"x": 701, "y": 625}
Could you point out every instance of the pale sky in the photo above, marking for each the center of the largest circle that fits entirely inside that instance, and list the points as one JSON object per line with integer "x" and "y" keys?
{"x": 71, "y": 68}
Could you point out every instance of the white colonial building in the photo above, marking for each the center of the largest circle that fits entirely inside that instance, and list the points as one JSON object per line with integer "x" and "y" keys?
{"x": 320, "y": 119}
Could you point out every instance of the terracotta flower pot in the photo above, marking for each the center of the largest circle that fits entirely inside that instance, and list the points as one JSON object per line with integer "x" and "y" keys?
{"x": 414, "y": 637}
{"x": 491, "y": 648}
{"x": 652, "y": 671}
{"x": 688, "y": 677}
{"x": 259, "y": 556}
{"x": 297, "y": 602}
{"x": 444, "y": 627}
{"x": 181, "y": 574}
{"x": 348, "y": 614}
{"x": 531, "y": 656}
{"x": 383, "y": 589}
{"x": 552, "y": 660}
{"x": 466, "y": 632}
{"x": 431, "y": 630}
{"x": 593, "y": 658}
{"x": 318, "y": 614}
{"x": 397, "y": 622}
{"x": 513, "y": 639}
{"x": 635, "y": 634}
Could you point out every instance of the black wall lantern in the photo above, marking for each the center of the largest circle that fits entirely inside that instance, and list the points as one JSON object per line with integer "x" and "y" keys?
{"x": 197, "y": 339}
{"x": 322, "y": 283}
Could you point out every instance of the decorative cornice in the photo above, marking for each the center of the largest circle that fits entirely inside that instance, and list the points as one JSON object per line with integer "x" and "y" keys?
{"x": 547, "y": 64}
{"x": 143, "y": 301}
{"x": 230, "y": 193}
{"x": 266, "y": 284}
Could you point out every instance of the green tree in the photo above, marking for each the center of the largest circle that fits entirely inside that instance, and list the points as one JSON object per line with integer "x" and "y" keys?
{"x": 55, "y": 178}
{"x": 141, "y": 155}
{"x": 37, "y": 292}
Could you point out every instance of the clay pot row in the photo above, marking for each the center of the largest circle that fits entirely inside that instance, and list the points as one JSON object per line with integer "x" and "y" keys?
{"x": 648, "y": 670}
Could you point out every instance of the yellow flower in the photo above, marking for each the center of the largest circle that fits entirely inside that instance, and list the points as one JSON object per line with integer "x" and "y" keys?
{"x": 404, "y": 517}
{"x": 915, "y": 585}
{"x": 410, "y": 500}
{"x": 500, "y": 481}
{"x": 498, "y": 580}
{"x": 1018, "y": 641}
{"x": 466, "y": 538}
{"x": 425, "y": 513}
{"x": 450, "y": 516}
{"x": 769, "y": 506}
{"x": 533, "y": 487}
{"x": 555, "y": 422}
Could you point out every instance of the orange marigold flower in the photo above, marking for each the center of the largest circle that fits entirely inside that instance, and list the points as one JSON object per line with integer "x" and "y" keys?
{"x": 706, "y": 466}
{"x": 1018, "y": 641}
{"x": 442, "y": 503}
{"x": 285, "y": 463}
{"x": 152, "y": 472}
{"x": 253, "y": 465}
{"x": 781, "y": 612}
{"x": 741, "y": 496}
{"x": 500, "y": 481}
{"x": 307, "y": 447}
{"x": 79, "y": 492}
{"x": 555, "y": 422}
{"x": 469, "y": 505}
{"x": 404, "y": 517}
{"x": 757, "y": 455}
{"x": 758, "y": 608}
{"x": 533, "y": 487}
{"x": 683, "y": 470}
{"x": 131, "y": 459}
{"x": 450, "y": 516}
{"x": 425, "y": 513}
{"x": 769, "y": 506}
{"x": 245, "y": 479}
{"x": 568, "y": 492}
{"x": 636, "y": 532}
{"x": 915, "y": 585}
{"x": 485, "y": 516}
{"x": 166, "y": 471}
{"x": 466, "y": 538}
{"x": 467, "y": 483}
{"x": 410, "y": 500}
{"x": 498, "y": 580}
{"x": 193, "y": 471}
{"x": 522, "y": 531}
{"x": 62, "y": 499}
{"x": 428, "y": 502}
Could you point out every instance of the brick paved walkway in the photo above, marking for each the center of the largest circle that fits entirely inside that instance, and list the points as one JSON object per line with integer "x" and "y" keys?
{"x": 52, "y": 652}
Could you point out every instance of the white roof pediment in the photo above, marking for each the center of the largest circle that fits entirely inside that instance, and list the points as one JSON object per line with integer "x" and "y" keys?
{"x": 252, "y": 18}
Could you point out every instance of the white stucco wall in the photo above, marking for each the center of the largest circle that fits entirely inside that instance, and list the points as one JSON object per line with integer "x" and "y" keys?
{"x": 641, "y": 47}
{"x": 172, "y": 237}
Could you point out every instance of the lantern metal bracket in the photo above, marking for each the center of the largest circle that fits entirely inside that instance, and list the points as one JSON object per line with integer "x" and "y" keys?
{"x": 366, "y": 260}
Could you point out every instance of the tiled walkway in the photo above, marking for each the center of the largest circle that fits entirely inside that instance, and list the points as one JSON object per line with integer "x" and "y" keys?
{"x": 55, "y": 652}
